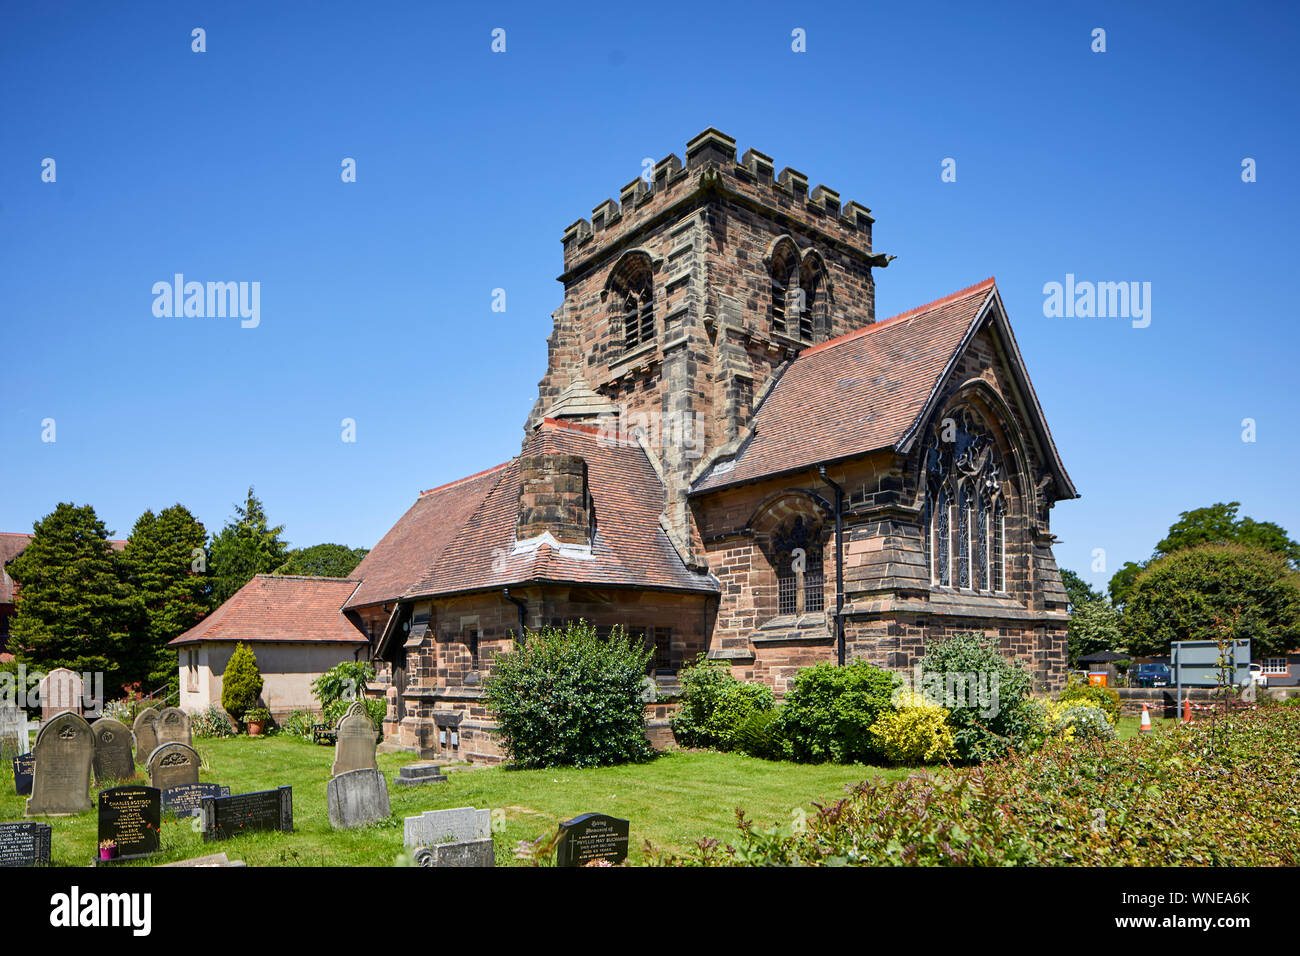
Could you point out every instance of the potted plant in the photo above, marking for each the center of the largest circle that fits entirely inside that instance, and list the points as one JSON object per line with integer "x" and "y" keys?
{"x": 256, "y": 718}
{"x": 107, "y": 850}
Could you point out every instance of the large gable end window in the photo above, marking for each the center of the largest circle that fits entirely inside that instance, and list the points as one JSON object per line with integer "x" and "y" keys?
{"x": 965, "y": 508}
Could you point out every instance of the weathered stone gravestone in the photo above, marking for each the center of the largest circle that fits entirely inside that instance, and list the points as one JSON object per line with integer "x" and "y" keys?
{"x": 25, "y": 844}
{"x": 419, "y": 773}
{"x": 24, "y": 771}
{"x": 224, "y": 817}
{"x": 592, "y": 837}
{"x": 65, "y": 752}
{"x": 355, "y": 749}
{"x": 174, "y": 727}
{"x": 459, "y": 837}
{"x": 131, "y": 817}
{"x": 61, "y": 690}
{"x": 357, "y": 798}
{"x": 171, "y": 765}
{"x": 13, "y": 731}
{"x": 113, "y": 757}
{"x": 146, "y": 734}
{"x": 186, "y": 799}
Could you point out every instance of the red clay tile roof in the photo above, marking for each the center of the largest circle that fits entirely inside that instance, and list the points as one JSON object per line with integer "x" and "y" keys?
{"x": 630, "y": 547}
{"x": 853, "y": 394}
{"x": 281, "y": 608}
{"x": 12, "y": 544}
{"x": 405, "y": 554}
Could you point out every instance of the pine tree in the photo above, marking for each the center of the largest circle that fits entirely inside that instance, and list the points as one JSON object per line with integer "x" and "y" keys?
{"x": 241, "y": 683}
{"x": 75, "y": 608}
{"x": 246, "y": 546}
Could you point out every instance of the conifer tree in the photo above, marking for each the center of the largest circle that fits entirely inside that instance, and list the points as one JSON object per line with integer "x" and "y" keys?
{"x": 246, "y": 546}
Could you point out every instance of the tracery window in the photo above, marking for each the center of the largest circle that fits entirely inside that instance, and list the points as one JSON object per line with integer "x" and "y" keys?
{"x": 965, "y": 510}
{"x": 799, "y": 577}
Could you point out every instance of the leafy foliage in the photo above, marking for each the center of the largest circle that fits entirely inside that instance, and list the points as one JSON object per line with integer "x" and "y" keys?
{"x": 242, "y": 682}
{"x": 1094, "y": 626}
{"x": 1188, "y": 594}
{"x": 75, "y": 608}
{"x": 212, "y": 722}
{"x": 1084, "y": 722}
{"x": 1077, "y": 589}
{"x": 343, "y": 684}
{"x": 715, "y": 705}
{"x": 566, "y": 697}
{"x": 246, "y": 546}
{"x": 1102, "y": 698}
{"x": 983, "y": 728}
{"x": 914, "y": 732}
{"x": 829, "y": 712}
{"x": 1219, "y": 524}
{"x": 323, "y": 560}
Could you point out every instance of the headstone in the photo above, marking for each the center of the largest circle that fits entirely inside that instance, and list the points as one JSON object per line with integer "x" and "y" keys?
{"x": 357, "y": 798}
{"x": 146, "y": 734}
{"x": 113, "y": 757}
{"x": 357, "y": 740}
{"x": 224, "y": 817}
{"x": 171, "y": 765}
{"x": 174, "y": 727}
{"x": 186, "y": 799}
{"x": 215, "y": 859}
{"x": 65, "y": 751}
{"x": 61, "y": 690}
{"x": 590, "y": 837}
{"x": 25, "y": 844}
{"x": 13, "y": 728}
{"x": 132, "y": 818}
{"x": 418, "y": 773}
{"x": 459, "y": 853}
{"x": 24, "y": 770}
{"x": 448, "y": 826}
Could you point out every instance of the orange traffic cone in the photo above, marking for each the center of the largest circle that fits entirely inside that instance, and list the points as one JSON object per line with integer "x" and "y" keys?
{"x": 1145, "y": 726}
{"x": 1187, "y": 711}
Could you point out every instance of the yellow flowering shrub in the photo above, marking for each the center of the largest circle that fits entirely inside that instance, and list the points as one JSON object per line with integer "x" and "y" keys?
{"x": 914, "y": 731}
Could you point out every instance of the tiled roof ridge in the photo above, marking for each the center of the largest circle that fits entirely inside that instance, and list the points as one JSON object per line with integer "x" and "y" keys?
{"x": 305, "y": 577}
{"x": 572, "y": 426}
{"x": 948, "y": 299}
{"x": 461, "y": 481}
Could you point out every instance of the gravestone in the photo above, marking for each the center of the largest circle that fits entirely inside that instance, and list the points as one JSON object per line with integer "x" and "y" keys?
{"x": 357, "y": 798}
{"x": 24, "y": 771}
{"x": 146, "y": 734}
{"x": 459, "y": 837}
{"x": 224, "y": 817}
{"x": 132, "y": 818}
{"x": 61, "y": 690}
{"x": 186, "y": 799}
{"x": 355, "y": 749}
{"x": 418, "y": 773}
{"x": 592, "y": 836}
{"x": 65, "y": 752}
{"x": 13, "y": 731}
{"x": 25, "y": 844}
{"x": 174, "y": 727}
{"x": 171, "y": 765}
{"x": 113, "y": 757}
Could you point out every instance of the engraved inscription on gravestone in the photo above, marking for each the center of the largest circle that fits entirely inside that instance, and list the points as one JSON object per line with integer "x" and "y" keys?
{"x": 25, "y": 844}
{"x": 146, "y": 734}
{"x": 355, "y": 749}
{"x": 65, "y": 751}
{"x": 224, "y": 817}
{"x": 131, "y": 817}
{"x": 357, "y": 798}
{"x": 592, "y": 836}
{"x": 171, "y": 765}
{"x": 174, "y": 727}
{"x": 187, "y": 799}
{"x": 113, "y": 758}
{"x": 24, "y": 771}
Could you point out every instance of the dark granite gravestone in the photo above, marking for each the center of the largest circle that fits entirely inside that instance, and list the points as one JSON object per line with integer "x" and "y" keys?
{"x": 113, "y": 758}
{"x": 592, "y": 836}
{"x": 186, "y": 800}
{"x": 224, "y": 817}
{"x": 146, "y": 734}
{"x": 357, "y": 798}
{"x": 24, "y": 770}
{"x": 174, "y": 727}
{"x": 65, "y": 750}
{"x": 25, "y": 844}
{"x": 355, "y": 749}
{"x": 132, "y": 818}
{"x": 173, "y": 764}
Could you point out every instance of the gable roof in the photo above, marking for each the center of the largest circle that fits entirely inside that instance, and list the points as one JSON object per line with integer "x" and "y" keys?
{"x": 275, "y": 608}
{"x": 405, "y": 553}
{"x": 630, "y": 548}
{"x": 871, "y": 389}
{"x": 13, "y": 544}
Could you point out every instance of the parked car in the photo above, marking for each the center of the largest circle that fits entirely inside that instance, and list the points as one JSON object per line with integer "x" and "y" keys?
{"x": 1257, "y": 675}
{"x": 1151, "y": 675}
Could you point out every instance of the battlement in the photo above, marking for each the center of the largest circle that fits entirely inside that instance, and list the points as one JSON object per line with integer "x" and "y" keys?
{"x": 711, "y": 166}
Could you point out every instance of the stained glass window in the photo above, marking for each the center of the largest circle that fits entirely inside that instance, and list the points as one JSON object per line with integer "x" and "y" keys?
{"x": 964, "y": 509}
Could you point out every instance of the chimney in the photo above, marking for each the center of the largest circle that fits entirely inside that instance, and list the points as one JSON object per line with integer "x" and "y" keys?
{"x": 553, "y": 497}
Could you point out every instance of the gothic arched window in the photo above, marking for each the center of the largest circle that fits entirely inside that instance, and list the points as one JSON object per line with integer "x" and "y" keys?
{"x": 965, "y": 512}
{"x": 812, "y": 298}
{"x": 632, "y": 283}
{"x": 800, "y": 583}
{"x": 785, "y": 285}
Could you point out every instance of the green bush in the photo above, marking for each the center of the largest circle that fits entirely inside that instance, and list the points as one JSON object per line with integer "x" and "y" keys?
{"x": 759, "y": 735}
{"x": 715, "y": 705}
{"x": 1085, "y": 722}
{"x": 342, "y": 685}
{"x": 989, "y": 723}
{"x": 1103, "y": 698}
{"x": 566, "y": 697}
{"x": 914, "y": 732}
{"x": 298, "y": 724}
{"x": 212, "y": 722}
{"x": 829, "y": 712}
{"x": 241, "y": 684}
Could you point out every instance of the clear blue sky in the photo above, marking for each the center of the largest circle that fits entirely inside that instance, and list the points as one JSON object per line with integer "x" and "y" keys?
{"x": 376, "y": 295}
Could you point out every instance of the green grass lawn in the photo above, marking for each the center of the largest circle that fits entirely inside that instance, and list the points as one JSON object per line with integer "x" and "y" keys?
{"x": 672, "y": 801}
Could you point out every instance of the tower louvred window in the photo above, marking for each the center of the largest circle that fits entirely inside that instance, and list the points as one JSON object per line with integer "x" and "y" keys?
{"x": 632, "y": 281}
